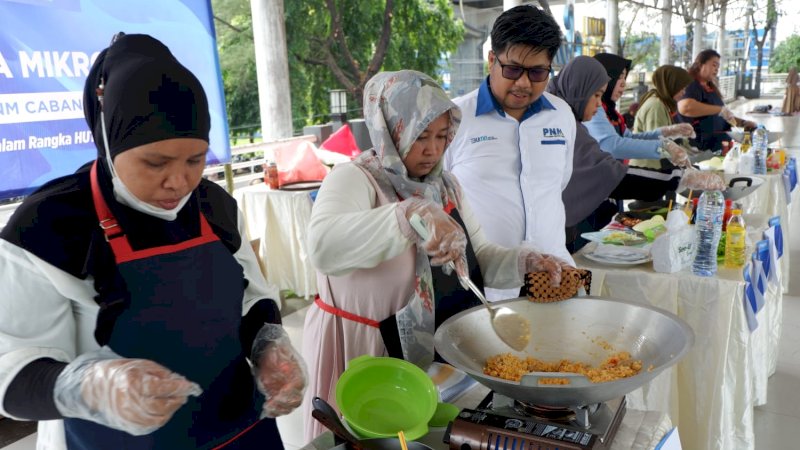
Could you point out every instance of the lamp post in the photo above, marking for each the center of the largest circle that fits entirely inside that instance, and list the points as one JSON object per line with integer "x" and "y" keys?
{"x": 338, "y": 108}
{"x": 641, "y": 88}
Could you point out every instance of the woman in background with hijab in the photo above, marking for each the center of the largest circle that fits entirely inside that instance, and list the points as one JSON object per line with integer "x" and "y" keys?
{"x": 608, "y": 127}
{"x": 596, "y": 175}
{"x": 659, "y": 105}
{"x": 382, "y": 290}
{"x": 131, "y": 302}
{"x": 702, "y": 105}
{"x": 791, "y": 100}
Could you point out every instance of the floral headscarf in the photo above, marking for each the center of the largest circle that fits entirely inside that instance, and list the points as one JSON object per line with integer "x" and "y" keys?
{"x": 398, "y": 107}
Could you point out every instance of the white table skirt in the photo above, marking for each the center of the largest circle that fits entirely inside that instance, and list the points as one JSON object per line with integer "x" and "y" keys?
{"x": 711, "y": 393}
{"x": 770, "y": 200}
{"x": 279, "y": 219}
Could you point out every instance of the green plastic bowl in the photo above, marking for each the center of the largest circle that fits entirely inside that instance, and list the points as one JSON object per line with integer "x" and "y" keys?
{"x": 379, "y": 396}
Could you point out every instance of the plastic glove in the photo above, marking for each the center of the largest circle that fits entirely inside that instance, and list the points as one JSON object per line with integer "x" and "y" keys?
{"x": 278, "y": 369}
{"x": 677, "y": 155}
{"x": 678, "y": 130}
{"x": 726, "y": 114}
{"x": 533, "y": 261}
{"x": 137, "y": 396}
{"x": 701, "y": 180}
{"x": 446, "y": 240}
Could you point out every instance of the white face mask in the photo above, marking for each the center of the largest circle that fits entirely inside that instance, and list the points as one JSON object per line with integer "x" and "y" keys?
{"x": 126, "y": 197}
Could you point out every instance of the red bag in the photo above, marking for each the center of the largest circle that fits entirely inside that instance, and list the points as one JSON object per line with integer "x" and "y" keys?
{"x": 342, "y": 141}
{"x": 297, "y": 162}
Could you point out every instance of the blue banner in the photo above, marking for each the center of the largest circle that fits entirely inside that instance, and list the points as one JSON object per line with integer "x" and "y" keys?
{"x": 46, "y": 50}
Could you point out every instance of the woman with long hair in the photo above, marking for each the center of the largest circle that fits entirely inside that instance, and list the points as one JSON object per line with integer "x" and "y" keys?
{"x": 702, "y": 105}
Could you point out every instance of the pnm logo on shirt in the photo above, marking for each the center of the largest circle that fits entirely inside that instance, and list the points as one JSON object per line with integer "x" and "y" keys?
{"x": 475, "y": 140}
{"x": 553, "y": 132}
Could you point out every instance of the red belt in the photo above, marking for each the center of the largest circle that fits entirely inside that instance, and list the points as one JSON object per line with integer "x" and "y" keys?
{"x": 344, "y": 314}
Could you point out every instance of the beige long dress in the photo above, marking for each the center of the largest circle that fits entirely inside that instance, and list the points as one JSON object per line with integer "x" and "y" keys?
{"x": 376, "y": 294}
{"x": 381, "y": 282}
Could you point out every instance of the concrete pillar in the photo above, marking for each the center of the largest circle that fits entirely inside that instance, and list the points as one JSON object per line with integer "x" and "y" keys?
{"x": 665, "y": 53}
{"x": 699, "y": 29}
{"x": 508, "y": 4}
{"x": 612, "y": 26}
{"x": 722, "y": 39}
{"x": 272, "y": 68}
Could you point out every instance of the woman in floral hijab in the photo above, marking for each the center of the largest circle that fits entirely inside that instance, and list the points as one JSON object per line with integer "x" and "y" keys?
{"x": 382, "y": 288}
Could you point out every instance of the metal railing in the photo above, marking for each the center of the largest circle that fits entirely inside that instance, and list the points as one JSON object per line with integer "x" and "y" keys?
{"x": 242, "y": 173}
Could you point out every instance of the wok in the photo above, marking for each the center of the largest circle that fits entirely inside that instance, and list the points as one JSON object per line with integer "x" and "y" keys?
{"x": 567, "y": 329}
{"x": 739, "y": 186}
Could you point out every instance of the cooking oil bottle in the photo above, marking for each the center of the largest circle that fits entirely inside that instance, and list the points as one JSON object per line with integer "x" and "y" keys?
{"x": 735, "y": 240}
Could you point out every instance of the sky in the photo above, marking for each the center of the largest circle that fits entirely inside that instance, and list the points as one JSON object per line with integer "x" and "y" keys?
{"x": 788, "y": 23}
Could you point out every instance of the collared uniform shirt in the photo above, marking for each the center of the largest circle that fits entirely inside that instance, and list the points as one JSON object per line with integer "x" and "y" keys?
{"x": 512, "y": 172}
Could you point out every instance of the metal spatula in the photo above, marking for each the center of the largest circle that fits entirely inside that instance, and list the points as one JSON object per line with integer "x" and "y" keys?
{"x": 510, "y": 327}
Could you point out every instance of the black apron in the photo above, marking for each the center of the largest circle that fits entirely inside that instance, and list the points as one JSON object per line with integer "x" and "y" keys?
{"x": 184, "y": 313}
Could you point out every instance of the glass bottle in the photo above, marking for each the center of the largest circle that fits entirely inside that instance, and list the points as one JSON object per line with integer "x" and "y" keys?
{"x": 271, "y": 175}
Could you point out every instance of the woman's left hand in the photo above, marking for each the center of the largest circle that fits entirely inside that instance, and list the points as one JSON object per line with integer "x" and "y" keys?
{"x": 279, "y": 370}
{"x": 534, "y": 261}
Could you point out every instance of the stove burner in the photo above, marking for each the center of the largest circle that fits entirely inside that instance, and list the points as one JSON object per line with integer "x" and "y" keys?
{"x": 543, "y": 412}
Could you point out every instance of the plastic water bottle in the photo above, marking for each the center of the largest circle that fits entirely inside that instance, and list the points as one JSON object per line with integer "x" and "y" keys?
{"x": 735, "y": 240}
{"x": 760, "y": 150}
{"x": 708, "y": 228}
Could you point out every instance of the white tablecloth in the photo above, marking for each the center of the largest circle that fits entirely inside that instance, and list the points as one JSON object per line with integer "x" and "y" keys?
{"x": 711, "y": 393}
{"x": 279, "y": 219}
{"x": 770, "y": 200}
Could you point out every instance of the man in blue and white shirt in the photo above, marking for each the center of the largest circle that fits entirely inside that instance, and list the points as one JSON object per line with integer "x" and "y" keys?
{"x": 513, "y": 150}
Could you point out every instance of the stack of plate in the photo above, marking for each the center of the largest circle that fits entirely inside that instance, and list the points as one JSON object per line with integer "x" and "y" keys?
{"x": 616, "y": 255}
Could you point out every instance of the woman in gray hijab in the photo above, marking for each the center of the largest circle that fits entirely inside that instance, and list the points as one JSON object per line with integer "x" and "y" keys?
{"x": 596, "y": 175}
{"x": 382, "y": 290}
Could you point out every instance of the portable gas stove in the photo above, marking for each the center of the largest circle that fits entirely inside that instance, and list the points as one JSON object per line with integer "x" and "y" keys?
{"x": 502, "y": 423}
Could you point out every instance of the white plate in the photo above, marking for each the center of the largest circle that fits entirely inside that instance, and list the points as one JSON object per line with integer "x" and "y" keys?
{"x": 617, "y": 262}
{"x": 600, "y": 237}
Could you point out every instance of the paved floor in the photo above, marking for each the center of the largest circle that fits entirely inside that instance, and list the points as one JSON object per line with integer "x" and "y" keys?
{"x": 776, "y": 423}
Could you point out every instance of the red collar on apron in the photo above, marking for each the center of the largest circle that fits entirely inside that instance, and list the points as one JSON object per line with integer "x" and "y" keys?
{"x": 115, "y": 235}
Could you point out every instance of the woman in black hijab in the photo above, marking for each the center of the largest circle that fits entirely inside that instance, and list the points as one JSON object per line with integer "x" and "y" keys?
{"x": 617, "y": 69}
{"x": 134, "y": 303}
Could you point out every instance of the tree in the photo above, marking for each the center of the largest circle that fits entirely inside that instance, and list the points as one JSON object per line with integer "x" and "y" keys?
{"x": 237, "y": 64}
{"x": 642, "y": 49}
{"x": 343, "y": 43}
{"x": 771, "y": 18}
{"x": 786, "y": 55}
{"x": 335, "y": 44}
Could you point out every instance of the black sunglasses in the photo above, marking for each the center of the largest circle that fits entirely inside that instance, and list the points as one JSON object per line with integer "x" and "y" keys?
{"x": 513, "y": 72}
